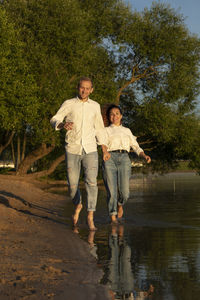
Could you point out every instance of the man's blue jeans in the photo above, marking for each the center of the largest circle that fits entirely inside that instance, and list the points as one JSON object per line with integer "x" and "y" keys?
{"x": 89, "y": 162}
{"x": 116, "y": 173}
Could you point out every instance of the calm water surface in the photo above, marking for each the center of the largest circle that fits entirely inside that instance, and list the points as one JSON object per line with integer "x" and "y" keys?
{"x": 155, "y": 254}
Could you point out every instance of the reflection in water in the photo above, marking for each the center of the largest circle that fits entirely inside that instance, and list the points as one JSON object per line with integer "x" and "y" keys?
{"x": 119, "y": 275}
{"x": 92, "y": 245}
{"x": 159, "y": 245}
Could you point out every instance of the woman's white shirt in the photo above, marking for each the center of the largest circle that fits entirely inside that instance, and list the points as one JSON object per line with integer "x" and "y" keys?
{"x": 121, "y": 138}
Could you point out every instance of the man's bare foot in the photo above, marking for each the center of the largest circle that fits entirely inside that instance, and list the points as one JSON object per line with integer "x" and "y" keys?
{"x": 120, "y": 211}
{"x": 90, "y": 221}
{"x": 91, "y": 225}
{"x": 75, "y": 216}
{"x": 75, "y": 229}
{"x": 91, "y": 237}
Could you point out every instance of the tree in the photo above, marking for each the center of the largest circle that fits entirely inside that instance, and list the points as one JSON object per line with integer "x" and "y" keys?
{"x": 147, "y": 62}
{"x": 59, "y": 48}
{"x": 18, "y": 89}
{"x": 158, "y": 78}
{"x": 159, "y": 56}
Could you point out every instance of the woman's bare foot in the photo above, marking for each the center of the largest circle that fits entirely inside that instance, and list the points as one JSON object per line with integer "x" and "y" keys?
{"x": 90, "y": 221}
{"x": 75, "y": 216}
{"x": 114, "y": 219}
{"x": 120, "y": 211}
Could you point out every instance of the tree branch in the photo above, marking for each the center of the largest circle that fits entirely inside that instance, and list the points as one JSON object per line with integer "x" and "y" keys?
{"x": 51, "y": 168}
{"x": 135, "y": 78}
{"x": 40, "y": 152}
{"x": 7, "y": 142}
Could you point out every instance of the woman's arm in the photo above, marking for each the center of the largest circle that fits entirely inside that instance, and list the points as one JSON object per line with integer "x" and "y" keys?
{"x": 146, "y": 157}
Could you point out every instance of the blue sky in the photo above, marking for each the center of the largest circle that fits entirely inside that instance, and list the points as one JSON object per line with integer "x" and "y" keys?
{"x": 190, "y": 9}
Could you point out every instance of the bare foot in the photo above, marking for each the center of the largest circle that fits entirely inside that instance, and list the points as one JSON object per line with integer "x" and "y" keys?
{"x": 90, "y": 221}
{"x": 75, "y": 216}
{"x": 120, "y": 211}
{"x": 91, "y": 225}
{"x": 75, "y": 229}
{"x": 114, "y": 219}
{"x": 91, "y": 237}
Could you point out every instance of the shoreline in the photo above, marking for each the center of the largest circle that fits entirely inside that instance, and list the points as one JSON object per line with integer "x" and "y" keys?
{"x": 41, "y": 257}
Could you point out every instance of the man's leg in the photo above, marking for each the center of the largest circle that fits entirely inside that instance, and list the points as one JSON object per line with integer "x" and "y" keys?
{"x": 90, "y": 166}
{"x": 73, "y": 163}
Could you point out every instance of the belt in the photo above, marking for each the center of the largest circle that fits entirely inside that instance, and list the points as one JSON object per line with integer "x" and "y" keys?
{"x": 119, "y": 151}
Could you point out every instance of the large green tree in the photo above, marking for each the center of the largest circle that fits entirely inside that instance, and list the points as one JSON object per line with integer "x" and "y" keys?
{"x": 60, "y": 47}
{"x": 147, "y": 62}
{"x": 158, "y": 80}
{"x": 18, "y": 89}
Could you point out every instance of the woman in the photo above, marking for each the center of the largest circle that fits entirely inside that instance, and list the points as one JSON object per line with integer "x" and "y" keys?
{"x": 117, "y": 165}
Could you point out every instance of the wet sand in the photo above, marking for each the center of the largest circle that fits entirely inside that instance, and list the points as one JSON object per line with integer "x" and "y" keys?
{"x": 40, "y": 256}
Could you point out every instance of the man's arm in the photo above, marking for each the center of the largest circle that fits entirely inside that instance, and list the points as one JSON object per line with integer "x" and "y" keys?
{"x": 67, "y": 125}
{"x": 106, "y": 154}
{"x": 100, "y": 134}
{"x": 57, "y": 120}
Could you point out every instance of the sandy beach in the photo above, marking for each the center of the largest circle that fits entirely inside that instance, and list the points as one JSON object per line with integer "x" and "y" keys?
{"x": 41, "y": 257}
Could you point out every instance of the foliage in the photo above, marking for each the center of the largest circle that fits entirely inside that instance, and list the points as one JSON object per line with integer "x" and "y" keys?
{"x": 158, "y": 75}
{"x": 18, "y": 89}
{"x": 166, "y": 134}
{"x": 148, "y": 62}
{"x": 59, "y": 48}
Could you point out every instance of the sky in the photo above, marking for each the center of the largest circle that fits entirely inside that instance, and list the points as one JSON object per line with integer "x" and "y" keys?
{"x": 190, "y": 9}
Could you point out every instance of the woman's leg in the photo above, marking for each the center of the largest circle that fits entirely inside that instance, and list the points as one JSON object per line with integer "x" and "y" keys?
{"x": 110, "y": 177}
{"x": 124, "y": 172}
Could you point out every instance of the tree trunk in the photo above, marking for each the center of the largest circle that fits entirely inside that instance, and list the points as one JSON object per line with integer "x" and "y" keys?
{"x": 104, "y": 108}
{"x": 26, "y": 164}
{"x": 18, "y": 152}
{"x": 51, "y": 169}
{"x": 13, "y": 153}
{"x": 23, "y": 147}
{"x": 8, "y": 140}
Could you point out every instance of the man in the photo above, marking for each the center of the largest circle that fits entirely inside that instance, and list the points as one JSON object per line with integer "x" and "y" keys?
{"x": 81, "y": 117}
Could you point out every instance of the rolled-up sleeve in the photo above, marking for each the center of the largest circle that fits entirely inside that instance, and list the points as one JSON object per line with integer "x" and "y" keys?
{"x": 99, "y": 128}
{"x": 59, "y": 116}
{"x": 134, "y": 144}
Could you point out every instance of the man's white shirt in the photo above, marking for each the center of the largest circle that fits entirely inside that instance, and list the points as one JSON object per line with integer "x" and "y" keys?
{"x": 88, "y": 125}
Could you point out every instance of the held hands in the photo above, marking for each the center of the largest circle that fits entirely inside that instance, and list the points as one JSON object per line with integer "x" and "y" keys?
{"x": 106, "y": 155}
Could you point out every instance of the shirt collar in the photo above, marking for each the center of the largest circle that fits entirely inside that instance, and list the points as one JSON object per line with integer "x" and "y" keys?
{"x": 113, "y": 125}
{"x": 79, "y": 100}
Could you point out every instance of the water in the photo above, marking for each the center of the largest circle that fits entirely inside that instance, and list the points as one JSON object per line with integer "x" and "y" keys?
{"x": 155, "y": 254}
